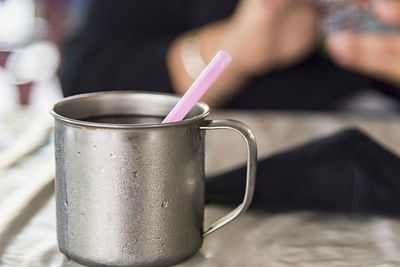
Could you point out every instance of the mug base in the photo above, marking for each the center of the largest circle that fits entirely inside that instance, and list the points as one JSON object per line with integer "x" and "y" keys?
{"x": 155, "y": 263}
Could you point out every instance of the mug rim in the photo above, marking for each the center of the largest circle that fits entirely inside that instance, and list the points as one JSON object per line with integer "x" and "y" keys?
{"x": 205, "y": 112}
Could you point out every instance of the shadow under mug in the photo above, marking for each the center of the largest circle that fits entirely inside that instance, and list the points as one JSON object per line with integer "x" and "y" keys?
{"x": 130, "y": 190}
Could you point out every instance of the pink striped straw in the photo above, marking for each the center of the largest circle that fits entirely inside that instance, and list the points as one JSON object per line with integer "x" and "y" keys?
{"x": 206, "y": 78}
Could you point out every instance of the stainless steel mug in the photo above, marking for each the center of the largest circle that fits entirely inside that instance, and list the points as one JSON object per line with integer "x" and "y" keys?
{"x": 130, "y": 190}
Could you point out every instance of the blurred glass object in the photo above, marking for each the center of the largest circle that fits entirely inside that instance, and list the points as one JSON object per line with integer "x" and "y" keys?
{"x": 8, "y": 93}
{"x": 353, "y": 15}
{"x": 16, "y": 22}
{"x": 37, "y": 61}
{"x": 29, "y": 58}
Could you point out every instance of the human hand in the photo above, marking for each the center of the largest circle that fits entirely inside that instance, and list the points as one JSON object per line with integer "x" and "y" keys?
{"x": 375, "y": 54}
{"x": 260, "y": 36}
{"x": 266, "y": 34}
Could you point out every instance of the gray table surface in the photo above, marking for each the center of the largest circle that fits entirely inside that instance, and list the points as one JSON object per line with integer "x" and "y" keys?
{"x": 27, "y": 212}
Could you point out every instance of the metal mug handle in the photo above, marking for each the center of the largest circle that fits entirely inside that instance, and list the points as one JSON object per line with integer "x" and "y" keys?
{"x": 248, "y": 136}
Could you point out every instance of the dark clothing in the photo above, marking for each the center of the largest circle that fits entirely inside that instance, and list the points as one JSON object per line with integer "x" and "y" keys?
{"x": 123, "y": 46}
{"x": 345, "y": 172}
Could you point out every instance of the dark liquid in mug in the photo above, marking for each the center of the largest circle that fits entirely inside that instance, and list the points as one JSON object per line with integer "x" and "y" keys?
{"x": 124, "y": 119}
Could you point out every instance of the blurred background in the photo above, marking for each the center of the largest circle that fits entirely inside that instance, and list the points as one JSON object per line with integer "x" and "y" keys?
{"x": 32, "y": 33}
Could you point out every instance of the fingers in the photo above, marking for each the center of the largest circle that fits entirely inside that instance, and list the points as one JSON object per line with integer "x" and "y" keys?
{"x": 273, "y": 5}
{"x": 372, "y": 54}
{"x": 261, "y": 11}
{"x": 387, "y": 10}
{"x": 298, "y": 32}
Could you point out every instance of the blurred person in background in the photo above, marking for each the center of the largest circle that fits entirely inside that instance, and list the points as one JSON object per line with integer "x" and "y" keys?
{"x": 162, "y": 46}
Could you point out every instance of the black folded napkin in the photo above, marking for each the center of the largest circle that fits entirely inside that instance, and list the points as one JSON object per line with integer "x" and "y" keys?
{"x": 344, "y": 172}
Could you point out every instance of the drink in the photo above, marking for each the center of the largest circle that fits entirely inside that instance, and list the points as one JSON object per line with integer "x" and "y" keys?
{"x": 125, "y": 119}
